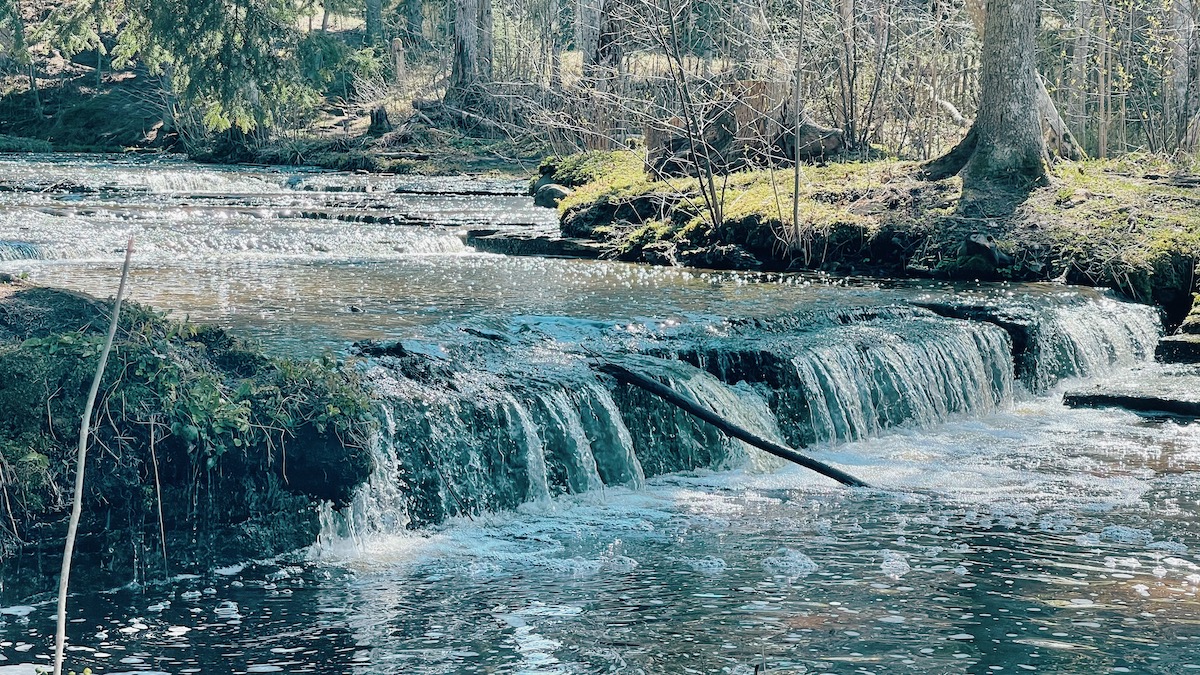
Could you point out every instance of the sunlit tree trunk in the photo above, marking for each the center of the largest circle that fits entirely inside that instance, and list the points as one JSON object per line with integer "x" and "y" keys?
{"x": 1010, "y": 147}
{"x": 472, "y": 65}
{"x": 1005, "y": 146}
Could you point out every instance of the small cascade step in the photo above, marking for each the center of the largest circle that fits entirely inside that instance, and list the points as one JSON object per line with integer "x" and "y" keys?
{"x": 1171, "y": 393}
{"x": 540, "y": 242}
{"x": 1183, "y": 348}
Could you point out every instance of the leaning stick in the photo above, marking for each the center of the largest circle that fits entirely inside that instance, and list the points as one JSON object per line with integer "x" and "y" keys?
{"x": 686, "y": 404}
{"x": 60, "y": 637}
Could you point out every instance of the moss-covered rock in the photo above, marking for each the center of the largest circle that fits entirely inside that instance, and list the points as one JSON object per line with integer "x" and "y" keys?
{"x": 235, "y": 447}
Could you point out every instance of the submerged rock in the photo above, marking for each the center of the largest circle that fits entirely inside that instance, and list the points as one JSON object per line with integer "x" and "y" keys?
{"x": 544, "y": 243}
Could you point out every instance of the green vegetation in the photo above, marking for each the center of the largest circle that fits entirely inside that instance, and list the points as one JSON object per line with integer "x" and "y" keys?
{"x": 1132, "y": 225}
{"x": 20, "y": 144}
{"x": 184, "y": 399}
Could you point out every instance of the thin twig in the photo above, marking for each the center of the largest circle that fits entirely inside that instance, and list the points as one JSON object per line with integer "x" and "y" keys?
{"x": 162, "y": 528}
{"x": 60, "y": 637}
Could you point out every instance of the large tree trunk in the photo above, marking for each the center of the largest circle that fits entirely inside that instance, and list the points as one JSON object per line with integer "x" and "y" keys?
{"x": 472, "y": 63}
{"x": 1005, "y": 146}
{"x": 1010, "y": 148}
{"x": 374, "y": 17}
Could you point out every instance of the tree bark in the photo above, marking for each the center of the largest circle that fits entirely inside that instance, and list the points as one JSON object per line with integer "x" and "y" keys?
{"x": 462, "y": 70}
{"x": 374, "y": 20}
{"x": 1005, "y": 146}
{"x": 414, "y": 20}
{"x": 1010, "y": 147}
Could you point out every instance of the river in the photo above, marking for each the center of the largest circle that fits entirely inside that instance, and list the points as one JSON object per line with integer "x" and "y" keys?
{"x": 528, "y": 518}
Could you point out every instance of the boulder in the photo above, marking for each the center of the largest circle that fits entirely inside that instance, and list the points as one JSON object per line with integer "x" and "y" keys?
{"x": 720, "y": 257}
{"x": 1184, "y": 348}
{"x": 550, "y": 195}
{"x": 986, "y": 247}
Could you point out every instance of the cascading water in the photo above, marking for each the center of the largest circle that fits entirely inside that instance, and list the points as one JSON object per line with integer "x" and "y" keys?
{"x": 528, "y": 515}
{"x": 515, "y": 418}
{"x": 19, "y": 250}
{"x": 1085, "y": 339}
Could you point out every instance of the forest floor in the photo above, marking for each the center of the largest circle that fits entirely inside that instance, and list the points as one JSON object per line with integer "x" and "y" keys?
{"x": 70, "y": 113}
{"x": 1132, "y": 225}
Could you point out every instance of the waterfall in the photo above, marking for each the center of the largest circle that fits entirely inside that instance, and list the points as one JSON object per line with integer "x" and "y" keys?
{"x": 851, "y": 380}
{"x": 1090, "y": 338}
{"x": 20, "y": 250}
{"x": 475, "y": 424}
{"x": 167, "y": 181}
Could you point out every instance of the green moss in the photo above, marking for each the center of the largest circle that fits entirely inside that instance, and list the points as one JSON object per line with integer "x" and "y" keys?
{"x": 203, "y": 400}
{"x": 22, "y": 144}
{"x": 1127, "y": 224}
{"x": 836, "y": 211}
{"x": 586, "y": 167}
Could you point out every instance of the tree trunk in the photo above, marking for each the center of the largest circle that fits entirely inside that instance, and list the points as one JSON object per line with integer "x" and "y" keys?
{"x": 33, "y": 87}
{"x": 414, "y": 22}
{"x": 464, "y": 74}
{"x": 1061, "y": 141}
{"x": 1010, "y": 147}
{"x": 483, "y": 63}
{"x": 1184, "y": 62}
{"x": 555, "y": 28}
{"x": 1077, "y": 98}
{"x": 374, "y": 17}
{"x": 587, "y": 33}
{"x": 1005, "y": 146}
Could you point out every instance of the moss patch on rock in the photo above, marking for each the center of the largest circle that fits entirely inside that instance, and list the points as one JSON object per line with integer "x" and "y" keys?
{"x": 236, "y": 448}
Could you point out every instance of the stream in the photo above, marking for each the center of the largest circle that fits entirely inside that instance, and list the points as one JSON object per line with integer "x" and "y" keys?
{"x": 529, "y": 517}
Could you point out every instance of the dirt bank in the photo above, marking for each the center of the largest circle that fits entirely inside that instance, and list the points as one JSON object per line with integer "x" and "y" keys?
{"x": 1131, "y": 225}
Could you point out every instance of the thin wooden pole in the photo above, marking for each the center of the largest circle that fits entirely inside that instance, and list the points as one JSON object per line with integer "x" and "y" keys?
{"x": 689, "y": 406}
{"x": 60, "y": 637}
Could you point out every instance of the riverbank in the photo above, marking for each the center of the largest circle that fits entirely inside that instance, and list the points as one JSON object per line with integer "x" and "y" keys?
{"x": 1131, "y": 225}
{"x": 123, "y": 115}
{"x": 205, "y": 451}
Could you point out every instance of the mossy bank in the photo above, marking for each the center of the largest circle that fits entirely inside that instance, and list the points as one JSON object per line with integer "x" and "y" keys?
{"x": 234, "y": 449}
{"x": 1131, "y": 225}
